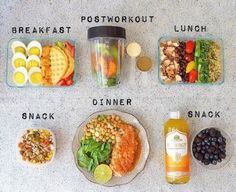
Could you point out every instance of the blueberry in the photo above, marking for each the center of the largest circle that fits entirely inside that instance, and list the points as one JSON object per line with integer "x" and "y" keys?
{"x": 214, "y": 139}
{"x": 206, "y": 162}
{"x": 222, "y": 155}
{"x": 216, "y": 157}
{"x": 206, "y": 140}
{"x": 211, "y": 156}
{"x": 213, "y": 143}
{"x": 212, "y": 132}
{"x": 220, "y": 139}
{"x": 198, "y": 149}
{"x": 219, "y": 160}
{"x": 206, "y": 156}
{"x": 214, "y": 162}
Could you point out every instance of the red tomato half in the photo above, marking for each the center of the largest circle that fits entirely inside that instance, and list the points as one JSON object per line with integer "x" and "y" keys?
{"x": 193, "y": 76}
{"x": 189, "y": 46}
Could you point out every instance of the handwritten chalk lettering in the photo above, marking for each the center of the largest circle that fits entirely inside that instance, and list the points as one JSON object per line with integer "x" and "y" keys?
{"x": 190, "y": 28}
{"x": 204, "y": 114}
{"x": 41, "y": 30}
{"x": 38, "y": 116}
{"x": 117, "y": 19}
{"x": 112, "y": 102}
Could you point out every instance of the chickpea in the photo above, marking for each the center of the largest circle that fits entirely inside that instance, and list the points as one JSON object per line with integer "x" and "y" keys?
{"x": 97, "y": 134}
{"x": 117, "y": 118}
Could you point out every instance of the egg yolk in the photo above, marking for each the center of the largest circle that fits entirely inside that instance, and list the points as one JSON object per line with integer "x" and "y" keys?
{"x": 19, "y": 78}
{"x": 32, "y": 63}
{"x": 36, "y": 78}
{"x": 34, "y": 51}
{"x": 20, "y": 50}
{"x": 19, "y": 62}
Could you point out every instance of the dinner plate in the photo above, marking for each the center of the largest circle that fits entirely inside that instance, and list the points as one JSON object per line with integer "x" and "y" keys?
{"x": 115, "y": 181}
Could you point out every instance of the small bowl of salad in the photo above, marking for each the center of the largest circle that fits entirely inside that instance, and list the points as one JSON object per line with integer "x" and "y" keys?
{"x": 36, "y": 146}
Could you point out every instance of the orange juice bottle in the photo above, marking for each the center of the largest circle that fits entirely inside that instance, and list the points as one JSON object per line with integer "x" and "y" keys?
{"x": 177, "y": 155}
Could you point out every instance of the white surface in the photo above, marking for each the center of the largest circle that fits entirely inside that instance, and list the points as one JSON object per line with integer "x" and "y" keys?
{"x": 151, "y": 101}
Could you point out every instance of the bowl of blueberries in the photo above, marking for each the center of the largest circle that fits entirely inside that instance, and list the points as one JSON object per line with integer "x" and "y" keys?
{"x": 212, "y": 147}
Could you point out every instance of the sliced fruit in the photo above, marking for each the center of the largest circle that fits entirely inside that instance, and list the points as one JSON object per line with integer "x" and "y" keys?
{"x": 71, "y": 48}
{"x": 103, "y": 173}
{"x": 71, "y": 64}
{"x": 191, "y": 65}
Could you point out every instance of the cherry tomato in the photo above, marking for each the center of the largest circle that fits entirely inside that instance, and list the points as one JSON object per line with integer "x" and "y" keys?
{"x": 189, "y": 46}
{"x": 188, "y": 57}
{"x": 193, "y": 76}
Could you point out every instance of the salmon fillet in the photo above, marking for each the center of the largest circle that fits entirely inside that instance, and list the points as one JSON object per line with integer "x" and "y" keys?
{"x": 126, "y": 151}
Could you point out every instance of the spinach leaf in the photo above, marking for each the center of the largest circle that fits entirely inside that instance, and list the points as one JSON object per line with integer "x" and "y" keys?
{"x": 92, "y": 153}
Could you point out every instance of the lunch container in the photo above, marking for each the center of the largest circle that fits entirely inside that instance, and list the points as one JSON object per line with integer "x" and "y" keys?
{"x": 229, "y": 149}
{"x": 115, "y": 181}
{"x": 107, "y": 53}
{"x": 69, "y": 74}
{"x": 26, "y": 163}
{"x": 185, "y": 39}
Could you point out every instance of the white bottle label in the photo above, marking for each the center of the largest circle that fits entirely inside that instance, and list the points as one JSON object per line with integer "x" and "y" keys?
{"x": 176, "y": 145}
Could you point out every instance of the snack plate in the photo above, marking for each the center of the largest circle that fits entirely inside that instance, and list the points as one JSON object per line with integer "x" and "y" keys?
{"x": 115, "y": 181}
{"x": 43, "y": 41}
{"x": 19, "y": 157}
{"x": 185, "y": 38}
{"x": 229, "y": 149}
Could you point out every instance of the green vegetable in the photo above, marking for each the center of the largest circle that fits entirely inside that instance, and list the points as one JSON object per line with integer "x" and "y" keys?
{"x": 201, "y": 56}
{"x": 92, "y": 153}
{"x": 111, "y": 82}
{"x": 60, "y": 44}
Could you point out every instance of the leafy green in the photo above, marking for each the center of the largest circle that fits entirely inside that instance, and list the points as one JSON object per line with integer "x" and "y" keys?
{"x": 112, "y": 82}
{"x": 201, "y": 58}
{"x": 92, "y": 153}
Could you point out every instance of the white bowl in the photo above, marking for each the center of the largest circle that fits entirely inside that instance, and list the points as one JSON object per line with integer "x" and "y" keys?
{"x": 19, "y": 157}
{"x": 229, "y": 149}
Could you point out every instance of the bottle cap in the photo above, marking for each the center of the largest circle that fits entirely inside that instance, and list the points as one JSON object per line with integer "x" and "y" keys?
{"x": 174, "y": 115}
{"x": 106, "y": 31}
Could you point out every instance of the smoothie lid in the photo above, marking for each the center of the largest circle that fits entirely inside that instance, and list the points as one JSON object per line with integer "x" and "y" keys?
{"x": 174, "y": 115}
{"x": 106, "y": 31}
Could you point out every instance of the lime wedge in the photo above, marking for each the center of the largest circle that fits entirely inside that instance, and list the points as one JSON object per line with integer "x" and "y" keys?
{"x": 103, "y": 174}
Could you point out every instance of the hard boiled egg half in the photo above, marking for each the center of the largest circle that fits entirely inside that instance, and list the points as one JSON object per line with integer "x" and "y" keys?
{"x": 32, "y": 61}
{"x": 35, "y": 76}
{"x": 34, "y": 48}
{"x": 18, "y": 47}
{"x": 18, "y": 60}
{"x": 20, "y": 76}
